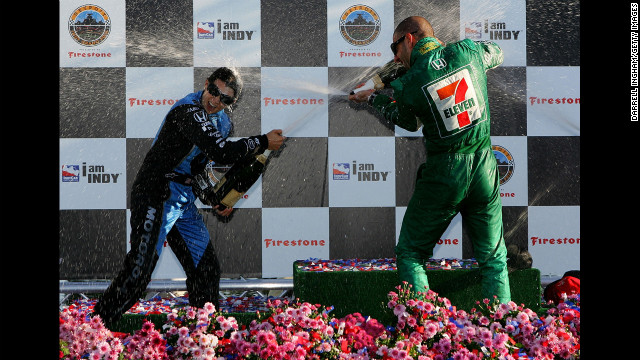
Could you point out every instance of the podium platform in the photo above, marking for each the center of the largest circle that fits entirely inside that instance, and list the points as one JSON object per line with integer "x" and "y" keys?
{"x": 364, "y": 288}
{"x": 361, "y": 286}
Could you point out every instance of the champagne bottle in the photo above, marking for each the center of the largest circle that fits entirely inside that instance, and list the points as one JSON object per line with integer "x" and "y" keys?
{"x": 381, "y": 78}
{"x": 214, "y": 188}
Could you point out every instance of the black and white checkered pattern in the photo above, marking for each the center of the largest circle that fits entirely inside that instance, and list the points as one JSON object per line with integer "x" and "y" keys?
{"x": 114, "y": 95}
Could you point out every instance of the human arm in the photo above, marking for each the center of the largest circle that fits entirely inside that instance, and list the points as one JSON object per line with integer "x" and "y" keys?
{"x": 193, "y": 123}
{"x": 398, "y": 113}
{"x": 492, "y": 55}
{"x": 275, "y": 140}
{"x": 225, "y": 212}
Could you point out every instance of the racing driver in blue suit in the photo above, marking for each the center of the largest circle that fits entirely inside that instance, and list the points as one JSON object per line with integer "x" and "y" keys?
{"x": 193, "y": 132}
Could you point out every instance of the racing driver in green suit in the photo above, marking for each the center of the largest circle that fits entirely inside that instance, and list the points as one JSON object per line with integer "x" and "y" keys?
{"x": 445, "y": 92}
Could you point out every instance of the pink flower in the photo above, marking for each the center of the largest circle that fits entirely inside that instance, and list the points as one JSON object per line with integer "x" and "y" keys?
{"x": 522, "y": 317}
{"x": 428, "y": 307}
{"x": 196, "y": 352}
{"x": 183, "y": 332}
{"x": 485, "y": 334}
{"x": 103, "y": 347}
{"x": 209, "y": 308}
{"x": 300, "y": 351}
{"x": 95, "y": 322}
{"x": 395, "y": 353}
{"x": 469, "y": 331}
{"x": 509, "y": 328}
{"x": 191, "y": 314}
{"x": 411, "y": 321}
{"x": 430, "y": 330}
{"x": 484, "y": 321}
{"x": 399, "y": 309}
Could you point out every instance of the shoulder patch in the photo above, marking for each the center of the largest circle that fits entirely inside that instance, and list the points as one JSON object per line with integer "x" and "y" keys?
{"x": 200, "y": 116}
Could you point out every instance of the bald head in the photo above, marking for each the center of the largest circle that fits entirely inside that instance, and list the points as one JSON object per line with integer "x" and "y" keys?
{"x": 415, "y": 23}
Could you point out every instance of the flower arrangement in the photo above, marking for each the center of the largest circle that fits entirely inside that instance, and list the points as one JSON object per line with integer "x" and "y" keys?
{"x": 146, "y": 343}
{"x": 428, "y": 327}
{"x": 85, "y": 337}
{"x": 194, "y": 333}
{"x": 290, "y": 331}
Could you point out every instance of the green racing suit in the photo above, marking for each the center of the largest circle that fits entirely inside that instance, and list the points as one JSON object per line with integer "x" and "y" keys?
{"x": 445, "y": 92}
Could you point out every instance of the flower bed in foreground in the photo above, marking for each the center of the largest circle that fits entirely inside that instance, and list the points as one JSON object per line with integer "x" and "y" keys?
{"x": 428, "y": 327}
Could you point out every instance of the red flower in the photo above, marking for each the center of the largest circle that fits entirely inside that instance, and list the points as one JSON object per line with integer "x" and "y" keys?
{"x": 344, "y": 346}
{"x": 563, "y": 335}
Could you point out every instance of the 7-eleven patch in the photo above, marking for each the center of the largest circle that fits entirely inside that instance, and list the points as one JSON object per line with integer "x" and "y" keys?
{"x": 456, "y": 102}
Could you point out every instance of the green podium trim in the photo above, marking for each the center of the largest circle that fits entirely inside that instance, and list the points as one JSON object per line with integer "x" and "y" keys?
{"x": 365, "y": 292}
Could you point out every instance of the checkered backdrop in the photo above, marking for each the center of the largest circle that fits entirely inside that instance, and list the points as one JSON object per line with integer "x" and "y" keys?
{"x": 340, "y": 186}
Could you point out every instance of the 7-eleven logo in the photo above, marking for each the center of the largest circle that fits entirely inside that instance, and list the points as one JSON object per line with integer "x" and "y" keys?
{"x": 456, "y": 101}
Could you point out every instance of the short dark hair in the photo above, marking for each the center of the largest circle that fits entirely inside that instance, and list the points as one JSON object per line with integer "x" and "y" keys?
{"x": 230, "y": 77}
{"x": 417, "y": 24}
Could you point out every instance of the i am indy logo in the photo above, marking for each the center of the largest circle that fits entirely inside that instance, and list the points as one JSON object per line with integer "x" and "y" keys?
{"x": 94, "y": 174}
{"x": 485, "y": 30}
{"x": 361, "y": 172}
{"x": 226, "y": 30}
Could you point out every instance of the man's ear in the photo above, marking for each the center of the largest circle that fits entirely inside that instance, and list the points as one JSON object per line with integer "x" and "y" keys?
{"x": 412, "y": 40}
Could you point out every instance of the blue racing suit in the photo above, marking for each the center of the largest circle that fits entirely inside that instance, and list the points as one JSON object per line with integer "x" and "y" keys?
{"x": 163, "y": 208}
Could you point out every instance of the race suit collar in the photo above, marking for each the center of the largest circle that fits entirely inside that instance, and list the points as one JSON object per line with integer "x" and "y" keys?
{"x": 199, "y": 96}
{"x": 422, "y": 47}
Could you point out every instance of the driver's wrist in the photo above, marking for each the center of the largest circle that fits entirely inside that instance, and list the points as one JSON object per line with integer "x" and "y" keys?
{"x": 372, "y": 97}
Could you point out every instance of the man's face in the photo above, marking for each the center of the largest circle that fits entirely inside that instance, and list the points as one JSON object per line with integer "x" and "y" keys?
{"x": 403, "y": 53}
{"x": 213, "y": 104}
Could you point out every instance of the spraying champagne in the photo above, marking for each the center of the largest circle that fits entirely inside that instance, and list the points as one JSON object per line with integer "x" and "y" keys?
{"x": 381, "y": 79}
{"x": 225, "y": 189}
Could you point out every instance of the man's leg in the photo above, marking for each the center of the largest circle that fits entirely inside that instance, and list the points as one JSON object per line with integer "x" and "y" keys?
{"x": 132, "y": 280}
{"x": 432, "y": 207}
{"x": 189, "y": 240}
{"x": 482, "y": 215}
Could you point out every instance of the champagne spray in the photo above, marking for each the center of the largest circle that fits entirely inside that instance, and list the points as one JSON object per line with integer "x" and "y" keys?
{"x": 381, "y": 79}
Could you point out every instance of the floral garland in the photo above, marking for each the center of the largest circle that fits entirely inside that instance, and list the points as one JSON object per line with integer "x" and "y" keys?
{"x": 384, "y": 264}
{"x": 428, "y": 328}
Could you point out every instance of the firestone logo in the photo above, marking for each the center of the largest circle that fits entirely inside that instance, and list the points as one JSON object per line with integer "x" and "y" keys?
{"x": 294, "y": 243}
{"x": 151, "y": 102}
{"x": 535, "y": 240}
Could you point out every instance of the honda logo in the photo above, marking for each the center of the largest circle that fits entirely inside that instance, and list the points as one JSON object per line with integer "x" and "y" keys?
{"x": 438, "y": 64}
{"x": 200, "y": 116}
